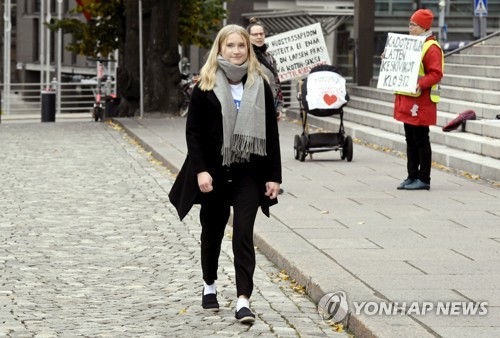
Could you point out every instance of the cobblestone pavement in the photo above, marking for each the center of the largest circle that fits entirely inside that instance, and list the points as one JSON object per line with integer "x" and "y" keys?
{"x": 90, "y": 246}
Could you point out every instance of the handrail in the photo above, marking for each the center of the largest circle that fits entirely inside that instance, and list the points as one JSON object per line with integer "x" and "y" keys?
{"x": 473, "y": 43}
{"x": 25, "y": 97}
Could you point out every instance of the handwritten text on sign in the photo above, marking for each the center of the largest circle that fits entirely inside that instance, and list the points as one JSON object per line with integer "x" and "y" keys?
{"x": 399, "y": 67}
{"x": 298, "y": 51}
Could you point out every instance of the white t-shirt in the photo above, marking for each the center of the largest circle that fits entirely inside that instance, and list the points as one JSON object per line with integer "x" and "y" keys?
{"x": 237, "y": 92}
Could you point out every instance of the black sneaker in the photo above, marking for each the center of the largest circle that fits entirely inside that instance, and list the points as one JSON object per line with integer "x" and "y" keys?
{"x": 245, "y": 316}
{"x": 406, "y": 182}
{"x": 418, "y": 185}
{"x": 209, "y": 302}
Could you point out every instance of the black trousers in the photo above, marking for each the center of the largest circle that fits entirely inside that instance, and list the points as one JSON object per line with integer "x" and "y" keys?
{"x": 239, "y": 189}
{"x": 419, "y": 152}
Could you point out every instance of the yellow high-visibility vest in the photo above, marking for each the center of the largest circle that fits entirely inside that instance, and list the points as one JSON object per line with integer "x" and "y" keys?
{"x": 435, "y": 89}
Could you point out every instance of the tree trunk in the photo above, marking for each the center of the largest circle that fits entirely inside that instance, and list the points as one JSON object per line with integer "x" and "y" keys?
{"x": 161, "y": 58}
{"x": 162, "y": 74}
{"x": 128, "y": 70}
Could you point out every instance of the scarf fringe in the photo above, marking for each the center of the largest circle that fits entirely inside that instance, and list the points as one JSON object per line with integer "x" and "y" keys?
{"x": 242, "y": 146}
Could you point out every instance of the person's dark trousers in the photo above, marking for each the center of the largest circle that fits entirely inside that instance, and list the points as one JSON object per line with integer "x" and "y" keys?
{"x": 246, "y": 202}
{"x": 214, "y": 215}
{"x": 419, "y": 152}
{"x": 243, "y": 194}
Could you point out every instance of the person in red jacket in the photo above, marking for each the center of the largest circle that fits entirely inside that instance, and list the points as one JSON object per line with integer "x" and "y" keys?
{"x": 419, "y": 111}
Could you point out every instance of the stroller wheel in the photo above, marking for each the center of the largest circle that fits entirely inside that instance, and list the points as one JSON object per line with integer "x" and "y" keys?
{"x": 296, "y": 146}
{"x": 343, "y": 153}
{"x": 347, "y": 151}
{"x": 303, "y": 148}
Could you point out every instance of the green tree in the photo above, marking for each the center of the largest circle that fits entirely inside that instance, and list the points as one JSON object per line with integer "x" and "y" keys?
{"x": 166, "y": 24}
{"x": 101, "y": 35}
{"x": 198, "y": 20}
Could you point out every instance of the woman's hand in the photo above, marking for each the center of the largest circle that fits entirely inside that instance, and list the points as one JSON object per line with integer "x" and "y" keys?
{"x": 279, "y": 115}
{"x": 272, "y": 189}
{"x": 205, "y": 181}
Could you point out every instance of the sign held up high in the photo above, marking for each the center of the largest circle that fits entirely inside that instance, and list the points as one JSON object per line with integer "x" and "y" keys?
{"x": 401, "y": 62}
{"x": 298, "y": 51}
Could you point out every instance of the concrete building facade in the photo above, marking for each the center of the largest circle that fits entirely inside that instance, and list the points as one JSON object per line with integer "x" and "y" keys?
{"x": 29, "y": 50}
{"x": 338, "y": 19}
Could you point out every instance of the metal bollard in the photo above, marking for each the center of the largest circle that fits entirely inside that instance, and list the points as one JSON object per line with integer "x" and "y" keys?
{"x": 48, "y": 106}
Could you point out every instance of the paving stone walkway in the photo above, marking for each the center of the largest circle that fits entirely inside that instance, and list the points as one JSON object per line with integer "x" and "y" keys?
{"x": 90, "y": 246}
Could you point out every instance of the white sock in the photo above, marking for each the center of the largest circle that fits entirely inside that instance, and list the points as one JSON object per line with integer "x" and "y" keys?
{"x": 242, "y": 302}
{"x": 207, "y": 289}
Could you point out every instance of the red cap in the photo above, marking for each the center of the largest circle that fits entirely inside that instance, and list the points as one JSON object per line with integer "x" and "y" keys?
{"x": 423, "y": 18}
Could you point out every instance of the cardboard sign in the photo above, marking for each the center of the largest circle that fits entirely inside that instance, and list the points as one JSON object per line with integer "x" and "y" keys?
{"x": 401, "y": 62}
{"x": 325, "y": 90}
{"x": 298, "y": 51}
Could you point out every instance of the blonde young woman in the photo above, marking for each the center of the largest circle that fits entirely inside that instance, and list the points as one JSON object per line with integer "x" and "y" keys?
{"x": 233, "y": 160}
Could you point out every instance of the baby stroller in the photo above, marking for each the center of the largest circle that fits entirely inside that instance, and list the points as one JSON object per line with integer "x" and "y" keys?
{"x": 322, "y": 93}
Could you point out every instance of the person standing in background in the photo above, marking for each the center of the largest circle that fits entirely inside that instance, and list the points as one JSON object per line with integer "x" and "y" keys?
{"x": 257, "y": 33}
{"x": 258, "y": 39}
{"x": 419, "y": 111}
{"x": 233, "y": 160}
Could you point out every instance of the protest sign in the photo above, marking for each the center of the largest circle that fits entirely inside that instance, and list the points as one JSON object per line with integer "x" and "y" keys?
{"x": 298, "y": 51}
{"x": 401, "y": 62}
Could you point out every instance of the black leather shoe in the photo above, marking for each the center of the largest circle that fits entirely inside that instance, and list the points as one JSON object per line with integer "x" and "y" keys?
{"x": 245, "y": 316}
{"x": 405, "y": 183}
{"x": 209, "y": 302}
{"x": 418, "y": 185}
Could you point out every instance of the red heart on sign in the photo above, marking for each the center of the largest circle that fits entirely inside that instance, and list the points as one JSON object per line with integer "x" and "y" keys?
{"x": 329, "y": 99}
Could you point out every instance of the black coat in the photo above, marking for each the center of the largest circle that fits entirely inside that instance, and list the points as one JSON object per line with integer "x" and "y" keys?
{"x": 204, "y": 138}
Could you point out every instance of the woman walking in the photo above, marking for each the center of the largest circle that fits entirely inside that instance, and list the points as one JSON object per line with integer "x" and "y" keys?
{"x": 233, "y": 160}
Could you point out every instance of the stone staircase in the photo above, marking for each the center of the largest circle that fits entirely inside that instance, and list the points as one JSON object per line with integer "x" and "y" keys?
{"x": 471, "y": 81}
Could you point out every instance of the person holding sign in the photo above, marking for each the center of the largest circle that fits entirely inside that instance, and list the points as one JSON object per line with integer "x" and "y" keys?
{"x": 257, "y": 33}
{"x": 418, "y": 110}
{"x": 233, "y": 160}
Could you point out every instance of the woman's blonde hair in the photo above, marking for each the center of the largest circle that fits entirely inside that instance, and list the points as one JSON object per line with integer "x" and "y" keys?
{"x": 207, "y": 72}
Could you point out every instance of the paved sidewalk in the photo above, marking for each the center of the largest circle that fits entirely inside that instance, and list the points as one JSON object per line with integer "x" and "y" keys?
{"x": 90, "y": 246}
{"x": 344, "y": 227}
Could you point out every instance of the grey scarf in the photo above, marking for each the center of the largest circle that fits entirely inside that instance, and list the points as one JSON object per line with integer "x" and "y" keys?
{"x": 244, "y": 131}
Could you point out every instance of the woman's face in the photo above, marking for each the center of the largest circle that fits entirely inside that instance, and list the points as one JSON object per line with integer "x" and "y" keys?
{"x": 415, "y": 29}
{"x": 234, "y": 49}
{"x": 257, "y": 35}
